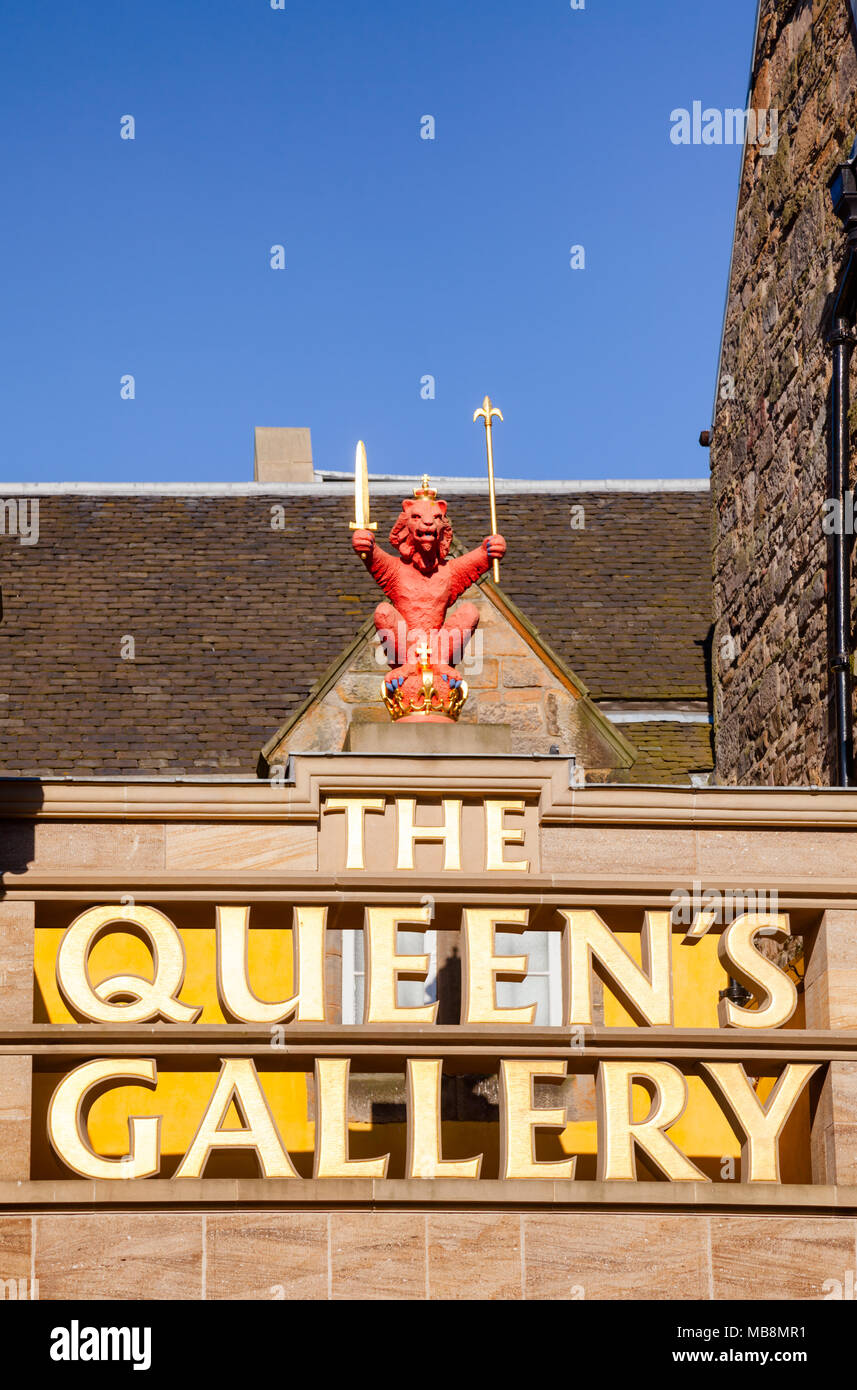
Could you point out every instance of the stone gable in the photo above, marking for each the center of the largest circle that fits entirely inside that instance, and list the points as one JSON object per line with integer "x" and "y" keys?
{"x": 510, "y": 682}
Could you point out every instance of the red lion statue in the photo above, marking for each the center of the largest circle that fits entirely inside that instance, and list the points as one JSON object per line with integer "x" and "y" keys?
{"x": 421, "y": 585}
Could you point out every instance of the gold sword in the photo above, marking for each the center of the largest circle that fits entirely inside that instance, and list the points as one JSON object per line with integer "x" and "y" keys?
{"x": 361, "y": 520}
{"x": 489, "y": 413}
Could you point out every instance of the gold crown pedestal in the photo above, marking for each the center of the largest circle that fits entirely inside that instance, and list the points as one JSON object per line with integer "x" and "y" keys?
{"x": 420, "y": 698}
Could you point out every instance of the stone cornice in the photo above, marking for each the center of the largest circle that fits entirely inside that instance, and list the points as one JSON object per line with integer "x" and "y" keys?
{"x": 316, "y": 775}
{"x": 421, "y": 1193}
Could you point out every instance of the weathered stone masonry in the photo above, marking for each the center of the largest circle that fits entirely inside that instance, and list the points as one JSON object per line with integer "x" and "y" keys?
{"x": 769, "y": 458}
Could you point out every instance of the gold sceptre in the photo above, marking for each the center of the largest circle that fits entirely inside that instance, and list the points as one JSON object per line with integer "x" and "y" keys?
{"x": 488, "y": 413}
{"x": 361, "y": 520}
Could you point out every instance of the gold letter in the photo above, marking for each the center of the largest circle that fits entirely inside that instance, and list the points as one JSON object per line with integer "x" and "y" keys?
{"x": 236, "y": 996}
{"x": 424, "y": 1132}
{"x": 762, "y": 1124}
{"x": 238, "y": 1081}
{"x": 384, "y": 966}
{"x": 66, "y": 1130}
{"x": 331, "y": 1126}
{"x": 618, "y": 1132}
{"x": 153, "y": 998}
{"x": 646, "y": 993}
{"x": 233, "y": 989}
{"x": 310, "y": 924}
{"x": 739, "y": 957}
{"x": 354, "y": 808}
{"x": 496, "y": 837}
{"x": 449, "y": 833}
{"x": 519, "y": 1122}
{"x": 480, "y": 965}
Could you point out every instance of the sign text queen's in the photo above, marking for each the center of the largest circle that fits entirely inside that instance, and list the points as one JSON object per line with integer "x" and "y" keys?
{"x": 391, "y": 830}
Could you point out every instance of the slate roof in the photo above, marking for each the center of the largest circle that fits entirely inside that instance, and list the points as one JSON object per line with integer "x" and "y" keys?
{"x": 627, "y": 600}
{"x": 669, "y": 752}
{"x": 233, "y": 621}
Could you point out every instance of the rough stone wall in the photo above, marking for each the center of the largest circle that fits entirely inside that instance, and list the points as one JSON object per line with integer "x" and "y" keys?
{"x": 770, "y": 472}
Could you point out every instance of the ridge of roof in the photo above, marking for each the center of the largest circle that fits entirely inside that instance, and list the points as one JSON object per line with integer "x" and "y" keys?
{"x": 339, "y": 485}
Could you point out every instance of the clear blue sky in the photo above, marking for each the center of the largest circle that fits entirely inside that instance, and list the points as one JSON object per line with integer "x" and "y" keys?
{"x": 404, "y": 256}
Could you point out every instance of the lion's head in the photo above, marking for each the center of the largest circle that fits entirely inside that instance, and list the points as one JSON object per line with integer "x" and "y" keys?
{"x": 422, "y": 531}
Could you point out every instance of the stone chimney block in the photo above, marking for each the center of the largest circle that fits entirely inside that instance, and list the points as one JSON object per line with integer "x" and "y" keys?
{"x": 282, "y": 455}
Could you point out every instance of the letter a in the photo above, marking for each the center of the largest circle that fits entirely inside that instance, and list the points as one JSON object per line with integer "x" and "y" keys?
{"x": 238, "y": 1082}
{"x": 60, "y": 1344}
{"x": 680, "y": 132}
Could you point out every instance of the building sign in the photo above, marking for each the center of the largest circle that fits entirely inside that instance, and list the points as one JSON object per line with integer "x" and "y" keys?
{"x": 636, "y": 1021}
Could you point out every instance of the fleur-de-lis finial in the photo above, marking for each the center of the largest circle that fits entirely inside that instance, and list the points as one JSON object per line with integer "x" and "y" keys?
{"x": 489, "y": 413}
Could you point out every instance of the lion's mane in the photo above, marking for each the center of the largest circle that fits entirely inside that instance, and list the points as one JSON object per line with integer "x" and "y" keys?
{"x": 400, "y": 538}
